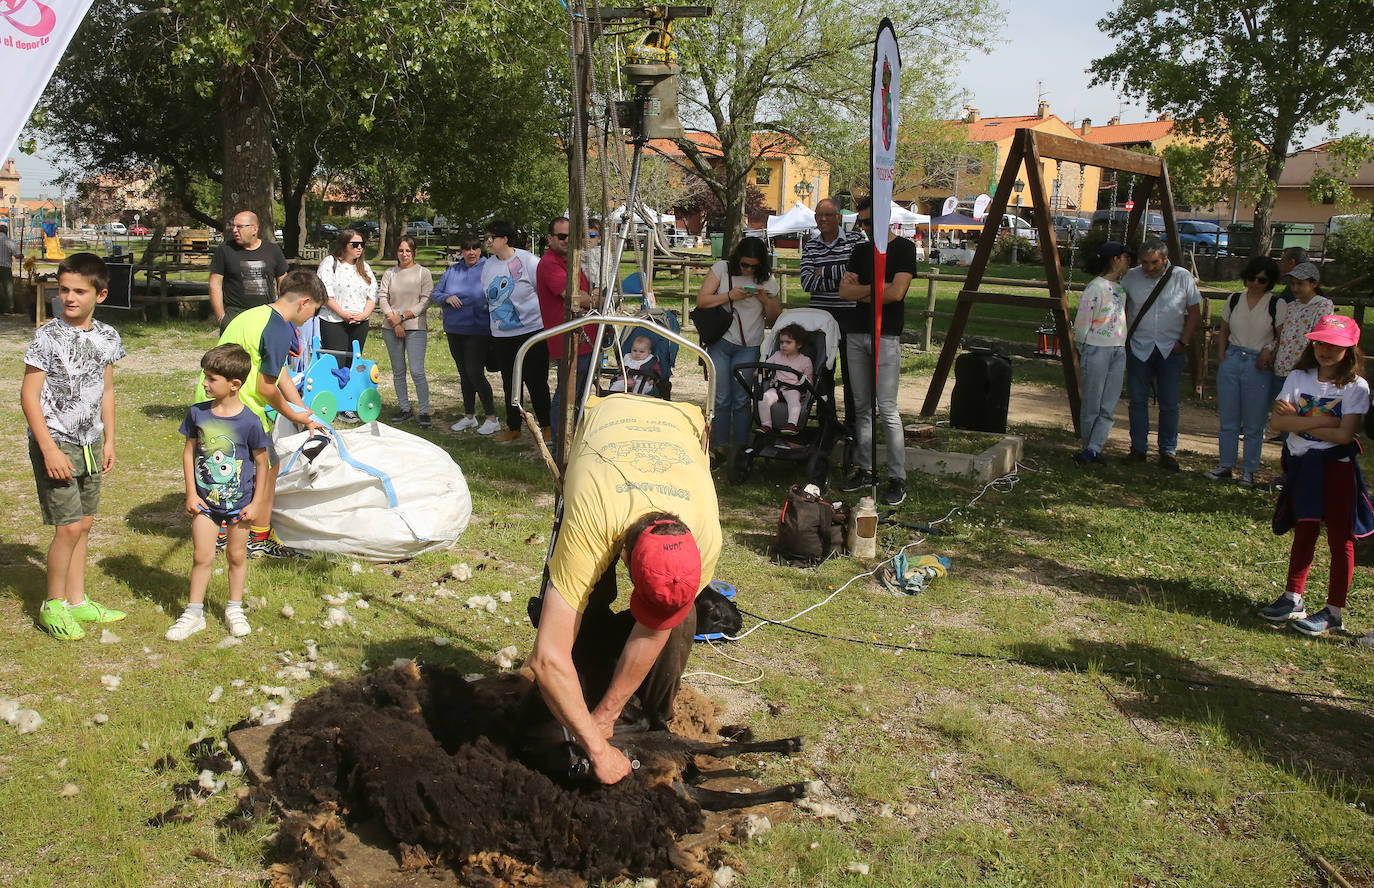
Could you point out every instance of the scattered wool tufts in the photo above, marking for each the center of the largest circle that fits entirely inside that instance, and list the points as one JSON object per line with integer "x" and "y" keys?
{"x": 504, "y": 596}
{"x": 110, "y": 682}
{"x": 354, "y": 567}
{"x": 362, "y": 604}
{"x": 440, "y": 641}
{"x": 857, "y": 868}
{"x": 69, "y": 790}
{"x": 215, "y": 694}
{"x": 108, "y": 637}
{"x": 26, "y": 721}
{"x": 257, "y": 602}
{"x": 506, "y": 657}
{"x": 228, "y": 641}
{"x": 100, "y": 718}
{"x": 460, "y": 572}
{"x": 288, "y": 611}
{"x": 7, "y": 710}
{"x": 336, "y": 617}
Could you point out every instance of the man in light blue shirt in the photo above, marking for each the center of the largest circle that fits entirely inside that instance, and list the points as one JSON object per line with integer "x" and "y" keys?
{"x": 1157, "y": 350}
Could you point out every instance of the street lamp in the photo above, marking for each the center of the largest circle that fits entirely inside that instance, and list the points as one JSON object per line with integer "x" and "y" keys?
{"x": 1015, "y": 229}
{"x": 803, "y": 189}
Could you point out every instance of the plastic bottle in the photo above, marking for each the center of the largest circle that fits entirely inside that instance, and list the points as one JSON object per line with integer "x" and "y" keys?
{"x": 863, "y": 529}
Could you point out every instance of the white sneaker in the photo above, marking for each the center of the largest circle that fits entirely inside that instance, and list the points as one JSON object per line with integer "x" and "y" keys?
{"x": 187, "y": 624}
{"x": 1366, "y": 641}
{"x": 462, "y": 425}
{"x": 237, "y": 622}
{"x": 490, "y": 427}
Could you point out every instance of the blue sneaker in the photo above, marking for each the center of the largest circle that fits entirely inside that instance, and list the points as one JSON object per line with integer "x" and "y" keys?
{"x": 1320, "y": 623}
{"x": 1283, "y": 610}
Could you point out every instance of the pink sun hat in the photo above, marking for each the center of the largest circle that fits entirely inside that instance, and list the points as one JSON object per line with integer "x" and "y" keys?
{"x": 1336, "y": 330}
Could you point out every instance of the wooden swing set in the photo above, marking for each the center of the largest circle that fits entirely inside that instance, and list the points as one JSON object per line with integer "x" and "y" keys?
{"x": 1031, "y": 147}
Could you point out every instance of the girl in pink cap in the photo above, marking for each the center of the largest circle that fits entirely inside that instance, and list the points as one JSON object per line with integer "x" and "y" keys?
{"x": 1322, "y": 406}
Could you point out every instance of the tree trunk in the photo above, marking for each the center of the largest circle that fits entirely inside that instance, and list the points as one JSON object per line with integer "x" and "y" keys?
{"x": 296, "y": 173}
{"x": 1264, "y": 204}
{"x": 738, "y": 156}
{"x": 248, "y": 161}
{"x": 389, "y": 218}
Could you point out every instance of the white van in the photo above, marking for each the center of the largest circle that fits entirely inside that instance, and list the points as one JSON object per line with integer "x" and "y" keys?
{"x": 114, "y": 228}
{"x": 1016, "y": 224}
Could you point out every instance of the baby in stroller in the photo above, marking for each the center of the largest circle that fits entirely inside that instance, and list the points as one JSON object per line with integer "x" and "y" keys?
{"x": 787, "y": 384}
{"x": 641, "y": 368}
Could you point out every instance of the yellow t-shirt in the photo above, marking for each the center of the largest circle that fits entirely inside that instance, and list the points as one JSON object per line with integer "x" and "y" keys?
{"x": 631, "y": 455}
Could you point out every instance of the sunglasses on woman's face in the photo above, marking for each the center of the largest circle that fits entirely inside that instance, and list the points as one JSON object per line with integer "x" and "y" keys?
{"x": 358, "y": 244}
{"x": 1259, "y": 279}
{"x": 748, "y": 264}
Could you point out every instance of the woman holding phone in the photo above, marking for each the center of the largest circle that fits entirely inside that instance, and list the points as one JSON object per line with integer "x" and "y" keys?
{"x": 746, "y": 285}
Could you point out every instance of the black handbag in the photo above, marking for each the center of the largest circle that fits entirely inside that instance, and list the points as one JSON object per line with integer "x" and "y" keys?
{"x": 711, "y": 323}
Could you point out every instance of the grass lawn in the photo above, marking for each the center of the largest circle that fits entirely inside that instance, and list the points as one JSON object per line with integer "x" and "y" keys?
{"x": 1087, "y": 699}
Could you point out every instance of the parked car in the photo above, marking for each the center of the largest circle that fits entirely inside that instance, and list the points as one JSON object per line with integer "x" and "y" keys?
{"x": 1201, "y": 236}
{"x": 114, "y": 228}
{"x": 369, "y": 229}
{"x": 1069, "y": 229}
{"x": 419, "y": 229}
{"x": 322, "y": 233}
{"x": 138, "y": 230}
{"x": 88, "y": 232}
{"x": 1116, "y": 220}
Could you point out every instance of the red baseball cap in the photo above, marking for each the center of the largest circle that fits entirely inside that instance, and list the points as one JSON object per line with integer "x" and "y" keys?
{"x": 666, "y": 573}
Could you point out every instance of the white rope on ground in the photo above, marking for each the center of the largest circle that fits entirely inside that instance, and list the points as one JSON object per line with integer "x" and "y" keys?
{"x": 1003, "y": 484}
{"x": 738, "y": 681}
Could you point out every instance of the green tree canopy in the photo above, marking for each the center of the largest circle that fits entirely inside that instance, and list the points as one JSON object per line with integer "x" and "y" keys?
{"x": 1255, "y": 73}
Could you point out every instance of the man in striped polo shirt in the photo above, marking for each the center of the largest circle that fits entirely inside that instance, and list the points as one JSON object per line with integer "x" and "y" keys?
{"x": 823, "y": 262}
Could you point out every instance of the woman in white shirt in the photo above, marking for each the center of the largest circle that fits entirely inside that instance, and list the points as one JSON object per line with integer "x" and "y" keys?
{"x": 352, "y": 291}
{"x": 745, "y": 284}
{"x": 1245, "y": 362}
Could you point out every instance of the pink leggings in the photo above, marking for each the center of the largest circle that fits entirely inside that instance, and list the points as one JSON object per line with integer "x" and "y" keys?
{"x": 1338, "y": 508}
{"x": 770, "y": 397}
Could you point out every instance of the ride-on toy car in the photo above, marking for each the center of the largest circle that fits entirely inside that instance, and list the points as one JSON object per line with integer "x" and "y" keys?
{"x": 328, "y": 389}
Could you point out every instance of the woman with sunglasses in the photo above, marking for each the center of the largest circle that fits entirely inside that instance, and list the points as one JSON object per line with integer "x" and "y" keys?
{"x": 746, "y": 285}
{"x": 352, "y": 289}
{"x": 1250, "y": 322}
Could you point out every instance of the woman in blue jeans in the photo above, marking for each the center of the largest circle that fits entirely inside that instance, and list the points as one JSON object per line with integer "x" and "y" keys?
{"x": 1100, "y": 330}
{"x": 745, "y": 284}
{"x": 1245, "y": 362}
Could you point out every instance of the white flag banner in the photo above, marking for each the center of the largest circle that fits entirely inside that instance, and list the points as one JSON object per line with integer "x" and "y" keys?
{"x": 980, "y": 206}
{"x": 33, "y": 36}
{"x": 951, "y": 204}
{"x": 887, "y": 79}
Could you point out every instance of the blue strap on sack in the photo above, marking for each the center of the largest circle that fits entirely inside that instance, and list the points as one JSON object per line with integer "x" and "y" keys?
{"x": 375, "y": 472}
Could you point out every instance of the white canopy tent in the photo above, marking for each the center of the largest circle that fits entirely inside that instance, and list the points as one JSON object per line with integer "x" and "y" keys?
{"x": 797, "y": 219}
{"x": 646, "y": 214}
{"x": 898, "y": 215}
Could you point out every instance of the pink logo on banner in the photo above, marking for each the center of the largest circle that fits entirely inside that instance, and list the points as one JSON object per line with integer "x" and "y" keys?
{"x": 31, "y": 18}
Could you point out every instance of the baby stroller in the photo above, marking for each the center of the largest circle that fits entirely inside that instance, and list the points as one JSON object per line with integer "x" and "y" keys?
{"x": 818, "y": 428}
{"x": 655, "y": 378}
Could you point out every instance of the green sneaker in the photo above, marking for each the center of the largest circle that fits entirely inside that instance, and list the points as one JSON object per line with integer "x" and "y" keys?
{"x": 89, "y": 611}
{"x": 58, "y": 621}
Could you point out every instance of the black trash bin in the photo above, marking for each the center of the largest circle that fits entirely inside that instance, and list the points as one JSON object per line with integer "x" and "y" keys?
{"x": 982, "y": 391}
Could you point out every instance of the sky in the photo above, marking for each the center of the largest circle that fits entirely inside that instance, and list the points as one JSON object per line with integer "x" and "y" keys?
{"x": 1055, "y": 40}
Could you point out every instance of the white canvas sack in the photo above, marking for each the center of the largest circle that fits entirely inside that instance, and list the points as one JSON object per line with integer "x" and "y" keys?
{"x": 372, "y": 492}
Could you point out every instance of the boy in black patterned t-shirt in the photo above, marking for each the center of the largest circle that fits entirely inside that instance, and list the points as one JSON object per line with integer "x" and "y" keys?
{"x": 68, "y": 399}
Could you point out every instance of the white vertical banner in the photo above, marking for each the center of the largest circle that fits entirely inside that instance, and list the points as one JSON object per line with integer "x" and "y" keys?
{"x": 33, "y": 36}
{"x": 887, "y": 78}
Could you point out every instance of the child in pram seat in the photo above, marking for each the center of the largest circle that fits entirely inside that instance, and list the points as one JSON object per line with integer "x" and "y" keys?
{"x": 641, "y": 367}
{"x": 786, "y": 383}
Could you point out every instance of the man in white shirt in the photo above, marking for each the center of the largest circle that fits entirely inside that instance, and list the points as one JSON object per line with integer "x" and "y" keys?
{"x": 1156, "y": 349}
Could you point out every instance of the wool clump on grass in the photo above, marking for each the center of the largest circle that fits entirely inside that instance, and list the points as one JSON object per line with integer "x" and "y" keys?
{"x": 424, "y": 757}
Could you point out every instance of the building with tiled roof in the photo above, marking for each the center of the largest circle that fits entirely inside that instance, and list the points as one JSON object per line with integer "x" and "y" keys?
{"x": 1069, "y": 187}
{"x": 1153, "y": 134}
{"x": 785, "y": 172}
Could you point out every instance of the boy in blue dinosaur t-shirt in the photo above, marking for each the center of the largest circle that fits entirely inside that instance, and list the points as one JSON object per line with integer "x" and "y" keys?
{"x": 226, "y": 451}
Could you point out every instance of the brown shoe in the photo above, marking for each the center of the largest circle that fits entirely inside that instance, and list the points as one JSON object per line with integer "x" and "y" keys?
{"x": 507, "y": 436}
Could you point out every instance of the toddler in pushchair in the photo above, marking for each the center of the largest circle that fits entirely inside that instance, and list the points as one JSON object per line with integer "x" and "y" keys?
{"x": 654, "y": 376}
{"x": 642, "y": 369}
{"x": 787, "y": 384}
{"x": 807, "y": 432}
